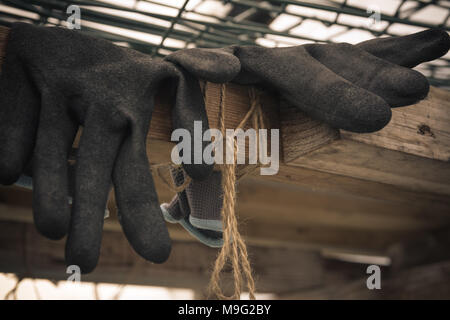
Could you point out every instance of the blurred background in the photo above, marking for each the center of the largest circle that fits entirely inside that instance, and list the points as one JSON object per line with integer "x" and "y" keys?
{"x": 159, "y": 27}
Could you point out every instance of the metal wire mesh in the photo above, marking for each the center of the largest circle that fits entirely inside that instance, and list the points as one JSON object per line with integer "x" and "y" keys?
{"x": 159, "y": 27}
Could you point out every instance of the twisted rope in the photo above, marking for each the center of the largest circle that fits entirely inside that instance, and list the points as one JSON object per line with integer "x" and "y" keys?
{"x": 234, "y": 248}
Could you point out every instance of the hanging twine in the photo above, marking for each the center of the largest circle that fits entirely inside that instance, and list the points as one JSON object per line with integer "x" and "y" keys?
{"x": 234, "y": 249}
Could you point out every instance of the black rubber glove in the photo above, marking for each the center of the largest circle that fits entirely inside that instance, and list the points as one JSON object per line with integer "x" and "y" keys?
{"x": 54, "y": 80}
{"x": 351, "y": 87}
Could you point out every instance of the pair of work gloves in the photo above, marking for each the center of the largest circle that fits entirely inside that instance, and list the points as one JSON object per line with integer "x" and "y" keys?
{"x": 54, "y": 80}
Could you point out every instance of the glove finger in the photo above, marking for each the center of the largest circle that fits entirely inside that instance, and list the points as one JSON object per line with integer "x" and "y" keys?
{"x": 315, "y": 89}
{"x": 398, "y": 86}
{"x": 189, "y": 111}
{"x": 19, "y": 112}
{"x": 411, "y": 50}
{"x": 215, "y": 65}
{"x": 50, "y": 169}
{"x": 138, "y": 206}
{"x": 97, "y": 151}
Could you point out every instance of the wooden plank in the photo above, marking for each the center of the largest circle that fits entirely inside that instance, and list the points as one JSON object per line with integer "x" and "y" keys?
{"x": 429, "y": 248}
{"x": 366, "y": 162}
{"x": 324, "y": 182}
{"x": 421, "y": 129}
{"x": 424, "y": 282}
{"x": 270, "y": 234}
{"x": 312, "y": 200}
{"x": 306, "y": 276}
{"x": 27, "y": 253}
{"x": 316, "y": 199}
{"x": 312, "y": 208}
{"x": 300, "y": 134}
{"x": 279, "y": 214}
{"x": 278, "y": 203}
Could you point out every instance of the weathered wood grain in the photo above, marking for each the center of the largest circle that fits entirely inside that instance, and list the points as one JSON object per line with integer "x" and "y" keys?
{"x": 300, "y": 134}
{"x": 372, "y": 163}
{"x": 422, "y": 129}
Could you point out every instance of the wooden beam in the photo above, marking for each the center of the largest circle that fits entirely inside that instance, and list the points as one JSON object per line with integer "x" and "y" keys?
{"x": 429, "y": 248}
{"x": 291, "y": 273}
{"x": 27, "y": 253}
{"x": 422, "y": 129}
{"x": 279, "y": 214}
{"x": 300, "y": 134}
{"x": 424, "y": 282}
{"x": 366, "y": 162}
